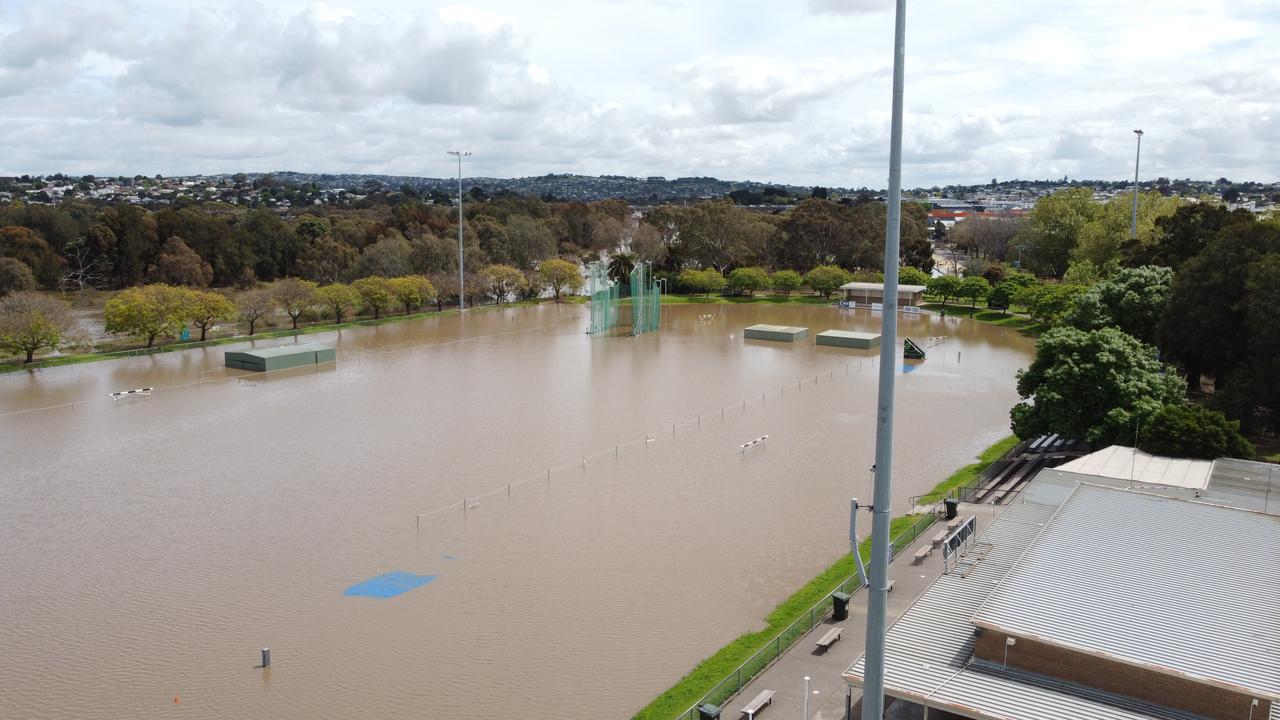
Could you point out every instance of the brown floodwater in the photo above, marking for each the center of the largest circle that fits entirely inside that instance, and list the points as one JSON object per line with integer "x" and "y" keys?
{"x": 149, "y": 547}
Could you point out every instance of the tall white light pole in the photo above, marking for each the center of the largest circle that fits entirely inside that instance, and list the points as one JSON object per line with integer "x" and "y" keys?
{"x": 877, "y": 593}
{"x": 461, "y": 280}
{"x": 1133, "y": 227}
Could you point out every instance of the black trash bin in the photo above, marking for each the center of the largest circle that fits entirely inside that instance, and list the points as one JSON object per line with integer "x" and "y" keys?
{"x": 707, "y": 711}
{"x": 839, "y": 606}
{"x": 951, "y": 504}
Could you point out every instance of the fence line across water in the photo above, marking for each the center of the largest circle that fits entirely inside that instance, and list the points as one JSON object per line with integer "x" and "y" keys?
{"x": 585, "y": 461}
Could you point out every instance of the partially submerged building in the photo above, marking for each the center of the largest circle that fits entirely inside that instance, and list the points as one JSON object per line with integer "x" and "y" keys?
{"x": 868, "y": 293}
{"x": 1154, "y": 594}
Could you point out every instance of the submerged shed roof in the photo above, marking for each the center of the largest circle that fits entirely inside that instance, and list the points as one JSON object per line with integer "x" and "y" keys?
{"x": 284, "y": 350}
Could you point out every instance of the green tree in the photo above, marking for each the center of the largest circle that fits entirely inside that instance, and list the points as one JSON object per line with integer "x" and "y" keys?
{"x": 1001, "y": 296}
{"x": 528, "y": 241}
{"x": 1054, "y": 301}
{"x": 560, "y": 275}
{"x": 147, "y": 311}
{"x": 15, "y": 276}
{"x": 25, "y": 245}
{"x": 412, "y": 291}
{"x": 1184, "y": 234}
{"x": 946, "y": 286}
{"x": 388, "y": 257}
{"x": 1027, "y": 296}
{"x": 1053, "y": 228}
{"x": 254, "y": 305}
{"x": 1102, "y": 240}
{"x": 1095, "y": 385}
{"x": 973, "y": 288}
{"x": 1204, "y": 326}
{"x": 326, "y": 260}
{"x": 294, "y": 296}
{"x": 1133, "y": 299}
{"x": 705, "y": 281}
{"x": 180, "y": 265}
{"x": 338, "y": 300}
{"x": 311, "y": 228}
{"x": 826, "y": 279}
{"x": 376, "y": 293}
{"x": 502, "y": 281}
{"x": 912, "y": 276}
{"x": 785, "y": 282}
{"x": 30, "y": 322}
{"x": 1187, "y": 430}
{"x": 205, "y": 308}
{"x": 620, "y": 268}
{"x": 748, "y": 280}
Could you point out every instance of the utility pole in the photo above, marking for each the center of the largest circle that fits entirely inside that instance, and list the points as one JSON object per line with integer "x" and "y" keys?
{"x": 877, "y": 597}
{"x": 461, "y": 278}
{"x": 1133, "y": 227}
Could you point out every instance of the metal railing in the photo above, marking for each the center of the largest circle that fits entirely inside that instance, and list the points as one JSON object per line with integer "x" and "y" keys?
{"x": 732, "y": 684}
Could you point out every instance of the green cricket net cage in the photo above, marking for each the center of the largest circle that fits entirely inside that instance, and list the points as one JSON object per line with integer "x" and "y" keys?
{"x": 646, "y": 301}
{"x": 604, "y": 299}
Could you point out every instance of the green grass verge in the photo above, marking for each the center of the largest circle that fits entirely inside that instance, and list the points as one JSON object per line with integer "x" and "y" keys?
{"x": 266, "y": 335}
{"x": 742, "y": 300}
{"x": 969, "y": 473}
{"x": 982, "y": 314}
{"x": 708, "y": 673}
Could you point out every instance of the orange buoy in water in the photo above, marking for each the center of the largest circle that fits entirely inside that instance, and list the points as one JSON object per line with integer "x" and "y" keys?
{"x": 175, "y": 700}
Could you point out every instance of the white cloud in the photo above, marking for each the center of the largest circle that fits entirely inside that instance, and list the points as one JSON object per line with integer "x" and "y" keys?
{"x": 640, "y": 87}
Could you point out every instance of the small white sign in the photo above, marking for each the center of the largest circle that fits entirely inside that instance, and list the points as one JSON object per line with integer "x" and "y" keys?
{"x": 877, "y": 306}
{"x": 911, "y": 309}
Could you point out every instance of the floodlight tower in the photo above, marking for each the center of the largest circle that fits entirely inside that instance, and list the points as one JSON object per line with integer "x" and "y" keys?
{"x": 1133, "y": 227}
{"x": 461, "y": 278}
{"x": 877, "y": 593}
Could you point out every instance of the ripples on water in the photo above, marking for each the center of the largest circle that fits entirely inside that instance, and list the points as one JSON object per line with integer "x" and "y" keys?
{"x": 153, "y": 545}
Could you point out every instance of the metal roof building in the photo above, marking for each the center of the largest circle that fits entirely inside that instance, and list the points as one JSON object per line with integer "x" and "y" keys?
{"x": 1095, "y": 603}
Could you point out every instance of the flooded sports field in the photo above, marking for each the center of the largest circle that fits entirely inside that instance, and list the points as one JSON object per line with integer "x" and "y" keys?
{"x": 571, "y": 520}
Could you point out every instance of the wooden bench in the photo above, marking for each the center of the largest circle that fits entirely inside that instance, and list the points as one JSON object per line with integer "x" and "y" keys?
{"x": 764, "y": 698}
{"x": 829, "y": 639}
{"x": 921, "y": 554}
{"x": 937, "y": 539}
{"x": 955, "y": 523}
{"x": 889, "y": 587}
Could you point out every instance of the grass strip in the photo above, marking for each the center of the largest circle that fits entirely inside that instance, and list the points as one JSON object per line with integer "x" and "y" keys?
{"x": 710, "y": 672}
{"x": 265, "y": 335}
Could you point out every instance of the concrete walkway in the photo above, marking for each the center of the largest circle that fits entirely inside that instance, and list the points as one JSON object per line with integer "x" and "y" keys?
{"x": 826, "y": 682}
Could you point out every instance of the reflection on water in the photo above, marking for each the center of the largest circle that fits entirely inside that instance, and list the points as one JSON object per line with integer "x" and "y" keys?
{"x": 153, "y": 545}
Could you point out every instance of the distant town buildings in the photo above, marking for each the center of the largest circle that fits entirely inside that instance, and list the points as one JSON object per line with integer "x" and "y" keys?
{"x": 285, "y": 190}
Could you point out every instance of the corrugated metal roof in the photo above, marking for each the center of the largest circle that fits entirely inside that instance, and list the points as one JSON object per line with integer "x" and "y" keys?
{"x": 1126, "y": 463}
{"x": 1125, "y": 574}
{"x": 929, "y": 648}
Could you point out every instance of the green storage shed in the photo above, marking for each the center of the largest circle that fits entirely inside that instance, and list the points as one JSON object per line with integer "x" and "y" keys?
{"x": 781, "y": 333}
{"x": 849, "y": 339}
{"x": 280, "y": 358}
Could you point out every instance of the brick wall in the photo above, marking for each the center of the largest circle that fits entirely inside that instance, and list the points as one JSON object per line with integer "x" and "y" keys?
{"x": 1149, "y": 685}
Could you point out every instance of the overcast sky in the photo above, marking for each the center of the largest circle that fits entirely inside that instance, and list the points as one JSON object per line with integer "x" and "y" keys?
{"x": 793, "y": 92}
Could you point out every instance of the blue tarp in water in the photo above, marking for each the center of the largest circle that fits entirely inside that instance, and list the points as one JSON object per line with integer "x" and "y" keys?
{"x": 389, "y": 585}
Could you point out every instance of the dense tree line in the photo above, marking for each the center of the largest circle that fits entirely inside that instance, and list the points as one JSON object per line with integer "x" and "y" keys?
{"x": 1193, "y": 296}
{"x": 78, "y": 245}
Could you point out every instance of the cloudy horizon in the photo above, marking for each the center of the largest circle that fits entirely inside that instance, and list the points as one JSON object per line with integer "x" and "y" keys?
{"x": 772, "y": 93}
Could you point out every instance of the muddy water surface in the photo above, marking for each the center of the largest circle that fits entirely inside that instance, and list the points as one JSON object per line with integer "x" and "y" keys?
{"x": 150, "y": 547}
